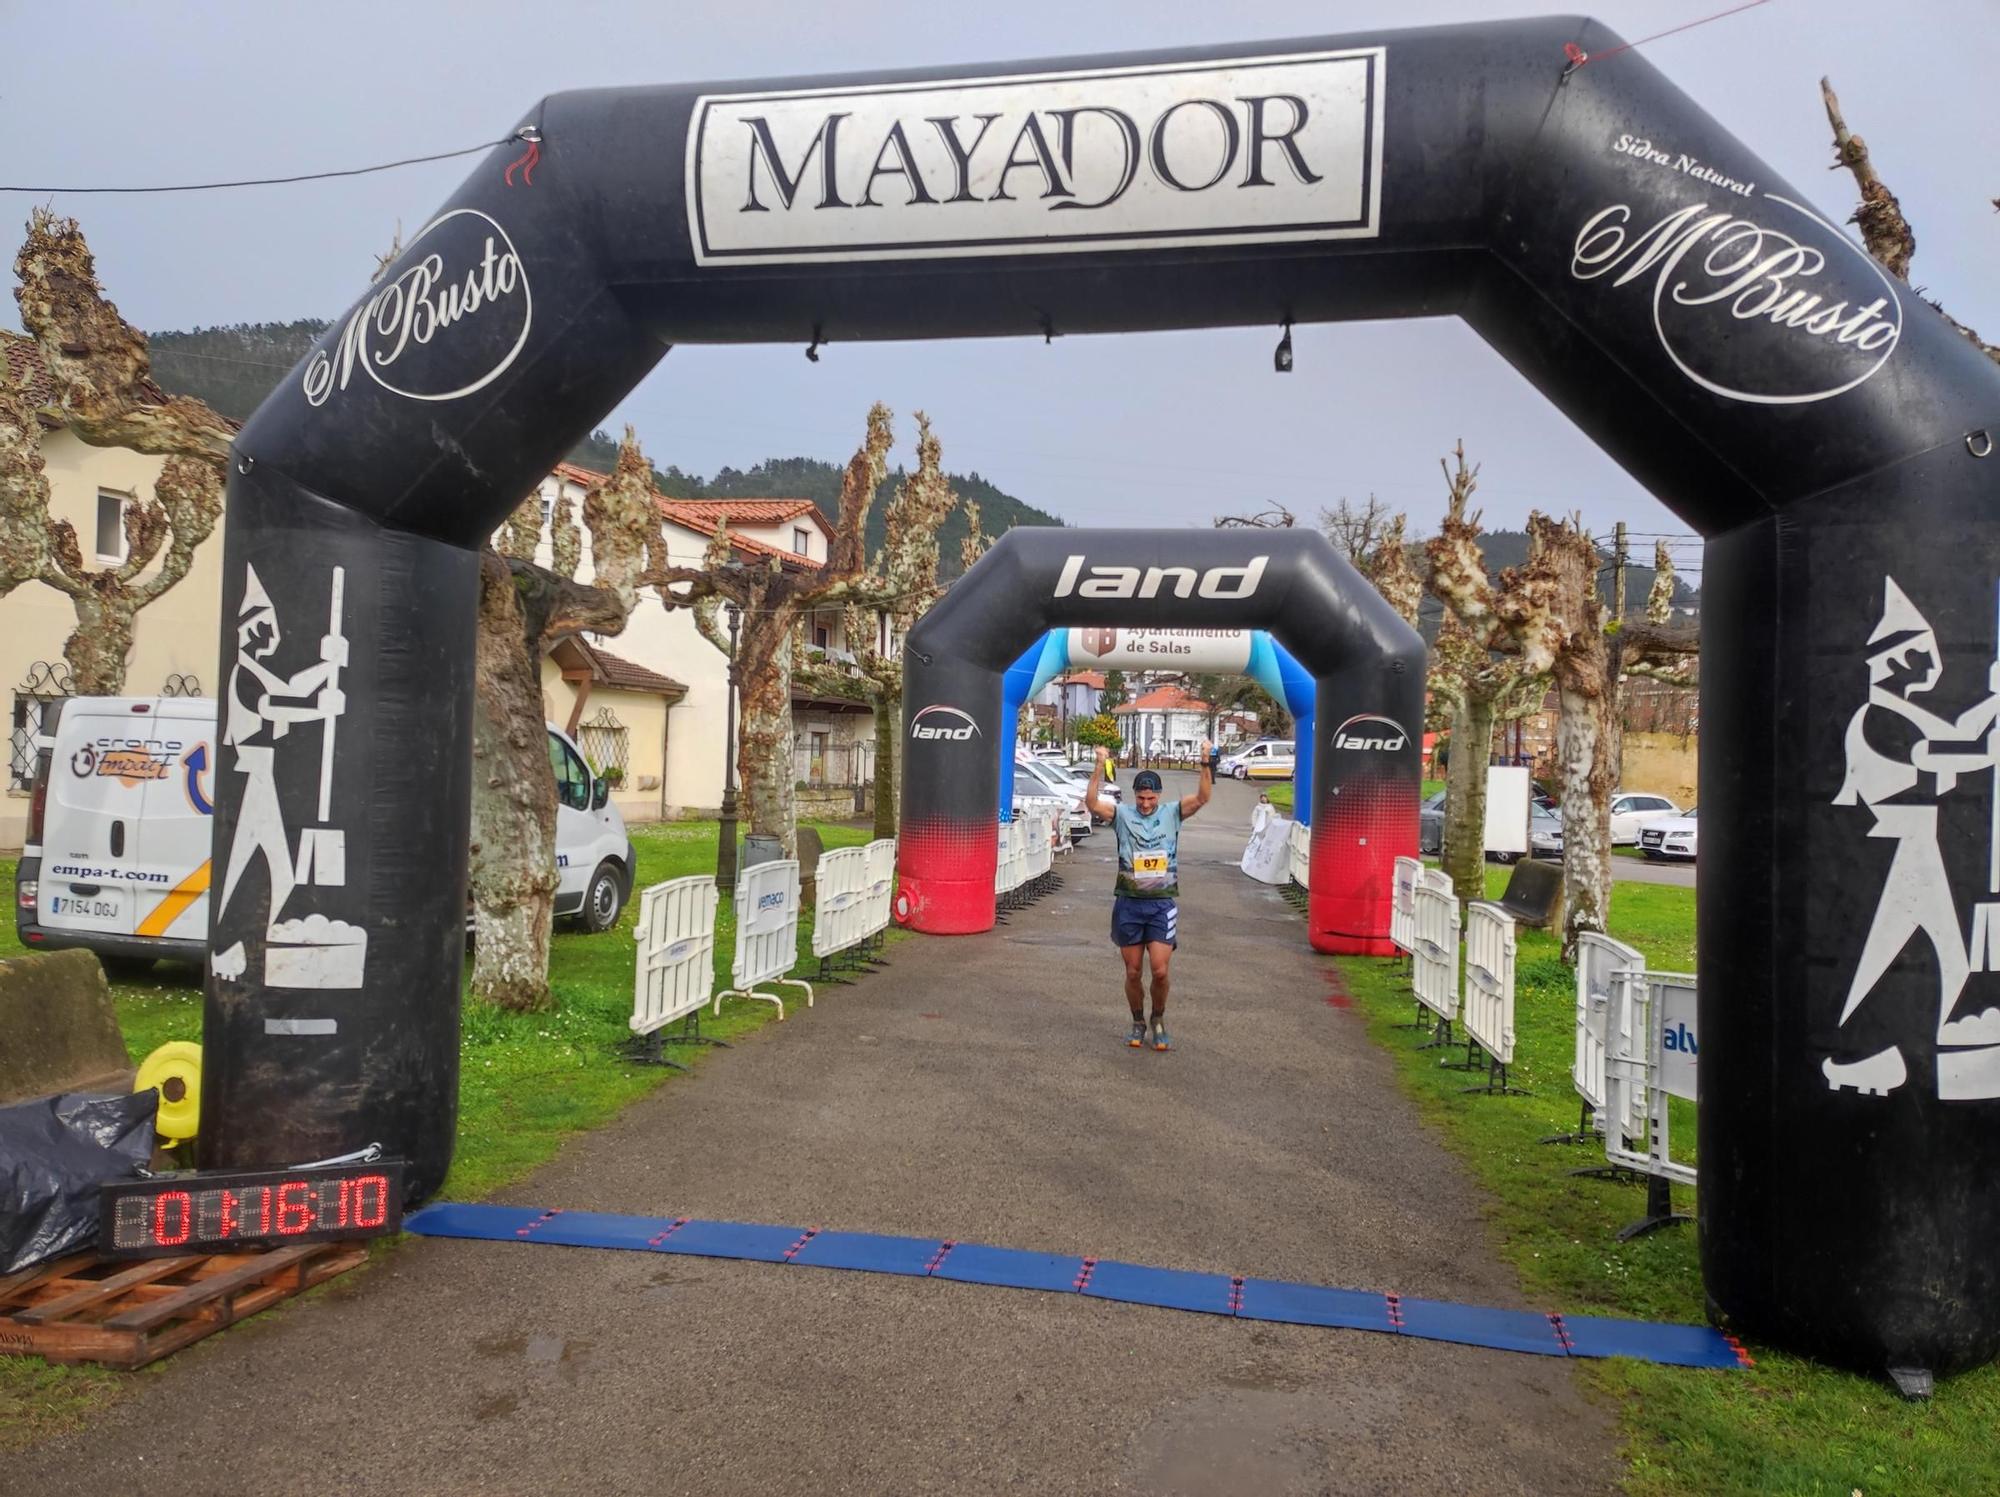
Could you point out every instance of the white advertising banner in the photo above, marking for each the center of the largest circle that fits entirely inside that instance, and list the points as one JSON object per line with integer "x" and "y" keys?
{"x": 1507, "y": 790}
{"x": 1239, "y": 150}
{"x": 1150, "y": 649}
{"x": 1673, "y": 1012}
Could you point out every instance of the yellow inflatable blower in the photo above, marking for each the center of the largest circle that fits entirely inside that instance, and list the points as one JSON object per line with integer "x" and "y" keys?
{"x": 175, "y": 1069}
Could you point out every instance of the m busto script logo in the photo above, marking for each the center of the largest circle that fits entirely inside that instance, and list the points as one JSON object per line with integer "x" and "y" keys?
{"x": 450, "y": 322}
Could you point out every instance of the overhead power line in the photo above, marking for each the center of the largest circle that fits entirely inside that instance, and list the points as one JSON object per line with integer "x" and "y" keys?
{"x": 352, "y": 171}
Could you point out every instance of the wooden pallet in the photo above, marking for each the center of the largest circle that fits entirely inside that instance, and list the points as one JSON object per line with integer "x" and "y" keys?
{"x": 126, "y": 1313}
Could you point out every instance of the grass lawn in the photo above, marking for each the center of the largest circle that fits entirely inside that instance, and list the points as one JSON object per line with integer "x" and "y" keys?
{"x": 1783, "y": 1426}
{"x": 526, "y": 1081}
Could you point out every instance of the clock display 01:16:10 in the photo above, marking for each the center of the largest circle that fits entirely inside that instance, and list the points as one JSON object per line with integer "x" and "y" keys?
{"x": 286, "y": 1209}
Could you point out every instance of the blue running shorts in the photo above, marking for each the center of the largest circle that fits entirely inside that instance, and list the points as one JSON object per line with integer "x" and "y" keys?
{"x": 1135, "y": 922}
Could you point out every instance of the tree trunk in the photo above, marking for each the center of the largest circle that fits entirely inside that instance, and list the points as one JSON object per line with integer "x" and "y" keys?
{"x": 764, "y": 749}
{"x": 98, "y": 650}
{"x": 888, "y": 762}
{"x": 1587, "y": 756}
{"x": 513, "y": 806}
{"x": 1465, "y": 799}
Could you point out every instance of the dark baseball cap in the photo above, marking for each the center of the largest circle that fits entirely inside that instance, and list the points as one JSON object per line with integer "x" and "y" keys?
{"x": 1145, "y": 779}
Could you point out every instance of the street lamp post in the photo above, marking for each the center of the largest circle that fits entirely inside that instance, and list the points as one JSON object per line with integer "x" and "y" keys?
{"x": 725, "y": 851}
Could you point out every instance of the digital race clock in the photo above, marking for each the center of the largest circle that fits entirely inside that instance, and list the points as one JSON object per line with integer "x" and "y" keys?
{"x": 205, "y": 1213}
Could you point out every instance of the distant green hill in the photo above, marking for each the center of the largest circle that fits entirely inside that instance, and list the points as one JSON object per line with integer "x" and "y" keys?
{"x": 234, "y": 368}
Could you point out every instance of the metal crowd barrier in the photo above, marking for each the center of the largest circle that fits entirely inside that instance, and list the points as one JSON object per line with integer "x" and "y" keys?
{"x": 881, "y": 856}
{"x": 675, "y": 972}
{"x": 1600, "y": 961}
{"x": 1650, "y": 1058}
{"x": 767, "y": 933}
{"x": 1435, "y": 975}
{"x": 1025, "y": 868}
{"x": 840, "y": 913}
{"x": 1298, "y": 854}
{"x": 1403, "y": 906}
{"x": 1488, "y": 1010}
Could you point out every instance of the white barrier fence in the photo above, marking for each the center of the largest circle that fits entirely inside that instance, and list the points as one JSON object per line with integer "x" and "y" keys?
{"x": 1488, "y": 1010}
{"x": 1650, "y": 1058}
{"x": 1403, "y": 906}
{"x": 840, "y": 912}
{"x": 1435, "y": 978}
{"x": 1007, "y": 864}
{"x": 1600, "y": 963}
{"x": 767, "y": 933}
{"x": 881, "y": 858}
{"x": 1039, "y": 855}
{"x": 1056, "y": 809}
{"x": 675, "y": 971}
{"x": 1299, "y": 848}
{"x": 1024, "y": 867}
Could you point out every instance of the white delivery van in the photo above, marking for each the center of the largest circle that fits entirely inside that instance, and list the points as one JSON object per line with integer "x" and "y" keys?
{"x": 117, "y": 851}
{"x": 1266, "y": 759}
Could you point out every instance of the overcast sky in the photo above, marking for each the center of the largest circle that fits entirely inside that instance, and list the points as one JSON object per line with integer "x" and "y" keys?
{"x": 1173, "y": 427}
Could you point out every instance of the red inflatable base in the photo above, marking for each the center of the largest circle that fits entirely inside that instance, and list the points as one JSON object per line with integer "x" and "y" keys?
{"x": 945, "y": 906}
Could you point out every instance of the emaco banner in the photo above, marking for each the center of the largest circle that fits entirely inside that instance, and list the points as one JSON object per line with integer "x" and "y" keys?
{"x": 1265, "y": 149}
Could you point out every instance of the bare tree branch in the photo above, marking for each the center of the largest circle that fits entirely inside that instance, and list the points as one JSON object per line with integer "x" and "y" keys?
{"x": 1884, "y": 230}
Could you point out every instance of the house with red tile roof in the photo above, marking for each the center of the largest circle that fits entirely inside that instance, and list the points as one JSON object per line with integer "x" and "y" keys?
{"x": 834, "y": 740}
{"x": 1165, "y": 720}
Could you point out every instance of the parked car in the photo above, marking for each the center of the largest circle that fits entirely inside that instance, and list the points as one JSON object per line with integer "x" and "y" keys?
{"x": 1545, "y": 830}
{"x": 1051, "y": 754}
{"x": 1072, "y": 775}
{"x": 1266, "y": 759}
{"x": 1039, "y": 777}
{"x": 1669, "y": 837}
{"x": 1430, "y": 825}
{"x": 1631, "y": 810}
{"x": 117, "y": 851}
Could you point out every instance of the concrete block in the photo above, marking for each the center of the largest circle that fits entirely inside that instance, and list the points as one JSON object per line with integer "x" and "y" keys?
{"x": 58, "y": 1031}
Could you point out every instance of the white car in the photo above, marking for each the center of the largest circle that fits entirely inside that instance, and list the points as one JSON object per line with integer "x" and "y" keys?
{"x": 1060, "y": 780}
{"x": 1035, "y": 780}
{"x": 1669, "y": 837}
{"x": 1632, "y": 811}
{"x": 1266, "y": 759}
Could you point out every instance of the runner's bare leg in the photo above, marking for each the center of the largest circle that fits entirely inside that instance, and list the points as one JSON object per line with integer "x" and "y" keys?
{"x": 1135, "y": 995}
{"x": 1158, "y": 954}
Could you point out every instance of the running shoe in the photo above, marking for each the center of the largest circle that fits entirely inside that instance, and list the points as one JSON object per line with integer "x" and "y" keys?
{"x": 1160, "y": 1039}
{"x": 1137, "y": 1038}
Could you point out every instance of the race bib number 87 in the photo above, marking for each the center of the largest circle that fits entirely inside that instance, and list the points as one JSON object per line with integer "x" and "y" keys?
{"x": 1149, "y": 862}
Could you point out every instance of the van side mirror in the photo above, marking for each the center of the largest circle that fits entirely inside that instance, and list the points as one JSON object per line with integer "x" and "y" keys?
{"x": 600, "y": 793}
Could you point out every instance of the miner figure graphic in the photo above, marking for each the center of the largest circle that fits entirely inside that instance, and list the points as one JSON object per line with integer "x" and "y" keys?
{"x": 259, "y": 708}
{"x": 1902, "y": 760}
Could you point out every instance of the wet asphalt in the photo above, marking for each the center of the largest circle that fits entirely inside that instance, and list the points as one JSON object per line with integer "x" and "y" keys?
{"x": 977, "y": 1089}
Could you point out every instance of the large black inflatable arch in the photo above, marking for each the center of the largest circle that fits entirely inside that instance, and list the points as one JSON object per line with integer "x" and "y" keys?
{"x": 1367, "y": 666}
{"x": 1667, "y": 290}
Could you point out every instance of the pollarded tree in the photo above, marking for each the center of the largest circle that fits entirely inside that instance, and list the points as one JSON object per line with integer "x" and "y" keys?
{"x": 1659, "y": 649}
{"x": 773, "y": 599}
{"x": 907, "y": 568}
{"x": 100, "y": 374}
{"x": 1545, "y": 619}
{"x": 1480, "y": 675}
{"x": 523, "y": 610}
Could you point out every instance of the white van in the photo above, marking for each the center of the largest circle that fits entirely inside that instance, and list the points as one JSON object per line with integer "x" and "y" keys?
{"x": 1266, "y": 759}
{"x": 117, "y": 854}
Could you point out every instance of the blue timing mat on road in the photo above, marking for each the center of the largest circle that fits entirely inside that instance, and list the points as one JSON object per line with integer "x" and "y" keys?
{"x": 1133, "y": 1283}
